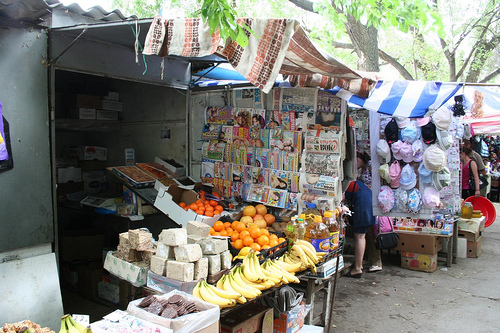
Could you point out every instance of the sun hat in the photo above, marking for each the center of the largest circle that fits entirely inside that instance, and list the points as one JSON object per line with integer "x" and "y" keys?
{"x": 408, "y": 177}
{"x": 442, "y": 118}
{"x": 414, "y": 201}
{"x": 383, "y": 151}
{"x": 434, "y": 158}
{"x": 385, "y": 198}
{"x": 406, "y": 152}
{"x": 429, "y": 133}
{"x": 402, "y": 121}
{"x": 460, "y": 131}
{"x": 396, "y": 150}
{"x": 441, "y": 179}
{"x": 425, "y": 176}
{"x": 391, "y": 131}
{"x": 400, "y": 199}
{"x": 417, "y": 148}
{"x": 395, "y": 174}
{"x": 431, "y": 198}
{"x": 411, "y": 132}
{"x": 383, "y": 170}
{"x": 444, "y": 139}
{"x": 423, "y": 121}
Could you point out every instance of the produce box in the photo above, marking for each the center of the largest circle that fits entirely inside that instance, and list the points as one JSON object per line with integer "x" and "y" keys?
{"x": 471, "y": 229}
{"x": 291, "y": 321}
{"x": 420, "y": 243}
{"x": 474, "y": 248}
{"x": 194, "y": 322}
{"x": 134, "y": 176}
{"x": 69, "y": 174}
{"x": 419, "y": 261}
{"x": 133, "y": 272}
{"x": 82, "y": 113}
{"x": 106, "y": 115}
{"x": 172, "y": 165}
{"x": 250, "y": 319}
{"x": 164, "y": 284}
{"x": 328, "y": 268}
{"x": 83, "y": 101}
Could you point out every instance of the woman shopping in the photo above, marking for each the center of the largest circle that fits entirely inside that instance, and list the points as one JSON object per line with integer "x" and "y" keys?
{"x": 469, "y": 171}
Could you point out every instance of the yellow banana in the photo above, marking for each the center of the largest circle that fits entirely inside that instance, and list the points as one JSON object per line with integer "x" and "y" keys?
{"x": 211, "y": 297}
{"x": 64, "y": 326}
{"x": 309, "y": 253}
{"x": 291, "y": 277}
{"x": 291, "y": 268}
{"x": 276, "y": 278}
{"x": 227, "y": 286}
{"x": 220, "y": 283}
{"x": 306, "y": 244}
{"x": 261, "y": 286}
{"x": 223, "y": 293}
{"x": 254, "y": 287}
{"x": 268, "y": 267}
{"x": 249, "y": 270}
{"x": 301, "y": 254}
{"x": 196, "y": 291}
{"x": 69, "y": 325}
{"x": 244, "y": 290}
{"x": 78, "y": 326}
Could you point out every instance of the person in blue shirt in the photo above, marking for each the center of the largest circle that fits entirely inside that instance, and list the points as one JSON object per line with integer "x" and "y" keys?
{"x": 359, "y": 199}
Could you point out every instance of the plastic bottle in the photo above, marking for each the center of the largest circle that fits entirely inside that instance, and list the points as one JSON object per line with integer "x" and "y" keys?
{"x": 330, "y": 220}
{"x": 300, "y": 230}
{"x": 290, "y": 230}
{"x": 318, "y": 235}
{"x": 310, "y": 212}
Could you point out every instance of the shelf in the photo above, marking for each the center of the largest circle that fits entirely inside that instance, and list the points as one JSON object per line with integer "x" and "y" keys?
{"x": 85, "y": 125}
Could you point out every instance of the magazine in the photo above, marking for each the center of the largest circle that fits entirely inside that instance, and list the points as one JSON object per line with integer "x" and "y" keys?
{"x": 299, "y": 99}
{"x": 243, "y": 117}
{"x": 222, "y": 115}
{"x": 258, "y": 193}
{"x": 277, "y": 198}
{"x": 211, "y": 131}
{"x": 208, "y": 168}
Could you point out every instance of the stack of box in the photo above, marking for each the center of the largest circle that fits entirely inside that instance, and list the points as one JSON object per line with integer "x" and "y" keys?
{"x": 186, "y": 255}
{"x": 419, "y": 251}
{"x": 109, "y": 107}
{"x": 81, "y": 106}
{"x": 472, "y": 230}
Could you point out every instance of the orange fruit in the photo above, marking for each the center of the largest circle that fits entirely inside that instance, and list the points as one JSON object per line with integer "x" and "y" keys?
{"x": 199, "y": 202}
{"x": 229, "y": 230}
{"x": 261, "y": 209}
{"x": 263, "y": 240}
{"x": 235, "y": 235}
{"x": 227, "y": 225}
{"x": 213, "y": 203}
{"x": 217, "y": 212}
{"x": 240, "y": 226}
{"x": 218, "y": 226}
{"x": 258, "y": 216}
{"x": 193, "y": 206}
{"x": 216, "y": 233}
{"x": 199, "y": 212}
{"x": 224, "y": 233}
{"x": 270, "y": 219}
{"x": 212, "y": 230}
{"x": 244, "y": 234}
{"x": 238, "y": 244}
{"x": 209, "y": 214}
{"x": 182, "y": 204}
{"x": 255, "y": 246}
{"x": 264, "y": 231}
{"x": 219, "y": 208}
{"x": 265, "y": 247}
{"x": 249, "y": 211}
{"x": 246, "y": 219}
{"x": 273, "y": 242}
{"x": 273, "y": 236}
{"x": 209, "y": 208}
{"x": 255, "y": 233}
{"x": 247, "y": 241}
{"x": 233, "y": 224}
{"x": 281, "y": 240}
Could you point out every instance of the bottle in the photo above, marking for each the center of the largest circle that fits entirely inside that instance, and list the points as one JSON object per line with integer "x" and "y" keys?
{"x": 310, "y": 212}
{"x": 467, "y": 210}
{"x": 300, "y": 229}
{"x": 290, "y": 230}
{"x": 330, "y": 220}
{"x": 318, "y": 235}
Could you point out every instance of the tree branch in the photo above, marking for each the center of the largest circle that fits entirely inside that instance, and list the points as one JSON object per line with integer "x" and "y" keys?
{"x": 394, "y": 63}
{"x": 490, "y": 76}
{"x": 305, "y": 5}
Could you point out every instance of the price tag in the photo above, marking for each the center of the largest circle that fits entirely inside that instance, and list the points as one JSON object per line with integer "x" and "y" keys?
{"x": 82, "y": 319}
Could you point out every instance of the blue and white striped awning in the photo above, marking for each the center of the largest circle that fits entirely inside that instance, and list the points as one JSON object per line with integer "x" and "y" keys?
{"x": 403, "y": 98}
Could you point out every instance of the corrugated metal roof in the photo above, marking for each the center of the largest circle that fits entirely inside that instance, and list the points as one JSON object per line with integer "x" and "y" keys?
{"x": 38, "y": 10}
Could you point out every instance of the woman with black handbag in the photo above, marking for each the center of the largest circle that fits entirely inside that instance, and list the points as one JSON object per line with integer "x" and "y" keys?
{"x": 469, "y": 171}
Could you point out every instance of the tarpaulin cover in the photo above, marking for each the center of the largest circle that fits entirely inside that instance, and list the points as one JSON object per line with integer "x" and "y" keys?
{"x": 277, "y": 46}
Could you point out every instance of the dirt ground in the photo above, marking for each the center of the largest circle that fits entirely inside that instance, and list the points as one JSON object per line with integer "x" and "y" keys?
{"x": 464, "y": 297}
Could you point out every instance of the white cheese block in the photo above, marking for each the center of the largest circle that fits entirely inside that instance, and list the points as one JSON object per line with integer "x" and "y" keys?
{"x": 158, "y": 265}
{"x": 187, "y": 253}
{"x": 173, "y": 236}
{"x": 180, "y": 271}
{"x": 201, "y": 269}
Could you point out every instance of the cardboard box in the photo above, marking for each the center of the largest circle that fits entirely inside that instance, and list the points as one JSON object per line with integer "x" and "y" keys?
{"x": 135, "y": 273}
{"x": 474, "y": 248}
{"x": 419, "y": 261}
{"x": 420, "y": 243}
{"x": 291, "y": 321}
{"x": 110, "y": 105}
{"x": 81, "y": 245}
{"x": 471, "y": 229}
{"x": 328, "y": 268}
{"x": 250, "y": 319}
{"x": 87, "y": 153}
{"x": 83, "y": 101}
{"x": 69, "y": 174}
{"x": 214, "y": 328}
{"x": 94, "y": 181}
{"x": 109, "y": 292}
{"x": 171, "y": 165}
{"x": 106, "y": 115}
{"x": 82, "y": 113}
{"x": 164, "y": 284}
{"x": 93, "y": 165}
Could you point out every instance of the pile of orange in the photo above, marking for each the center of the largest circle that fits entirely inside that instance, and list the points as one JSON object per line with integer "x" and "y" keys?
{"x": 203, "y": 207}
{"x": 253, "y": 236}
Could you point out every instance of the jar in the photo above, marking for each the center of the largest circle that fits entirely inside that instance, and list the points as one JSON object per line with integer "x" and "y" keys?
{"x": 467, "y": 210}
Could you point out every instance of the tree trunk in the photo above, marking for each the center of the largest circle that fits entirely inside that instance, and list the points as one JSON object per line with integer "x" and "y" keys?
{"x": 365, "y": 41}
{"x": 480, "y": 57}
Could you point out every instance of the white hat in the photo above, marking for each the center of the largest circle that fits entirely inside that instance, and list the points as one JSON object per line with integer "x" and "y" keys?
{"x": 418, "y": 151}
{"x": 431, "y": 198}
{"x": 402, "y": 121}
{"x": 445, "y": 139}
{"x": 383, "y": 151}
{"x": 408, "y": 177}
{"x": 442, "y": 118}
{"x": 434, "y": 158}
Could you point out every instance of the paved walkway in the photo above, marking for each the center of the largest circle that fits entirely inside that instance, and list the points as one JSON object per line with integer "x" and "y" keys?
{"x": 461, "y": 298}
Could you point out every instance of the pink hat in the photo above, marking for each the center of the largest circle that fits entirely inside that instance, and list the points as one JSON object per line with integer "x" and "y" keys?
{"x": 431, "y": 198}
{"x": 385, "y": 198}
{"x": 396, "y": 149}
{"x": 395, "y": 174}
{"x": 406, "y": 152}
{"x": 423, "y": 121}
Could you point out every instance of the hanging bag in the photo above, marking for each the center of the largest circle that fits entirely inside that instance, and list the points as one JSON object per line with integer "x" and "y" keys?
{"x": 385, "y": 240}
{"x": 472, "y": 183}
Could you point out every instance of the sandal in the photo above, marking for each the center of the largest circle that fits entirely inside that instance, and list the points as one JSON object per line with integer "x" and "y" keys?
{"x": 374, "y": 269}
{"x": 356, "y": 276}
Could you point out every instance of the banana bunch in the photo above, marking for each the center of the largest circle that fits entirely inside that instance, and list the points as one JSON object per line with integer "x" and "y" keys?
{"x": 69, "y": 325}
{"x": 286, "y": 277}
{"x": 304, "y": 252}
{"x": 224, "y": 298}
